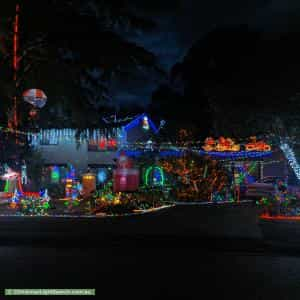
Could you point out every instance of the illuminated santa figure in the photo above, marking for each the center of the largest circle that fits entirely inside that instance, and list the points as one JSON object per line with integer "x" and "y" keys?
{"x": 126, "y": 177}
{"x": 124, "y": 162}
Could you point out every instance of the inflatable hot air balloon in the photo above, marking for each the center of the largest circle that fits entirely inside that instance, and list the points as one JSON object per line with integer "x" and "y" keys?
{"x": 35, "y": 97}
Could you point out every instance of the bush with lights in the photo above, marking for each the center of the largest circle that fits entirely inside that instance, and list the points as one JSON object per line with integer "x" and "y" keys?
{"x": 281, "y": 203}
{"x": 196, "y": 178}
{"x": 146, "y": 197}
{"x": 34, "y": 206}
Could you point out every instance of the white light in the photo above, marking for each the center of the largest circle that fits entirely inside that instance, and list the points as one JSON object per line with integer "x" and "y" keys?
{"x": 290, "y": 156}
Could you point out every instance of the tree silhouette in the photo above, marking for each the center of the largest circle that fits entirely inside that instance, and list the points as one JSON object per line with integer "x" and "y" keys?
{"x": 73, "y": 50}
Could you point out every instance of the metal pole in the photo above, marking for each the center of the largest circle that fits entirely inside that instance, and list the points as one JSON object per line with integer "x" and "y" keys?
{"x": 261, "y": 175}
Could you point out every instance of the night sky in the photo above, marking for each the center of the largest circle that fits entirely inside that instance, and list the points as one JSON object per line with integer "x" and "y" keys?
{"x": 181, "y": 23}
{"x": 178, "y": 28}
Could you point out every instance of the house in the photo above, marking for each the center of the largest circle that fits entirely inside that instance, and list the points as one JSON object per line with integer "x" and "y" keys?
{"x": 95, "y": 149}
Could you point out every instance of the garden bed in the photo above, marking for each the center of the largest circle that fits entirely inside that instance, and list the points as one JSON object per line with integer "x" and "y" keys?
{"x": 225, "y": 221}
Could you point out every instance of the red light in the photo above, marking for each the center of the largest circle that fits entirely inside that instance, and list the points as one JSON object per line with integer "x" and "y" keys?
{"x": 102, "y": 144}
{"x": 33, "y": 113}
{"x": 112, "y": 143}
{"x": 284, "y": 218}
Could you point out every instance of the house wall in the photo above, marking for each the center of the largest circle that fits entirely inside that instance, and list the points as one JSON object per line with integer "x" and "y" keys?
{"x": 79, "y": 157}
{"x": 58, "y": 146}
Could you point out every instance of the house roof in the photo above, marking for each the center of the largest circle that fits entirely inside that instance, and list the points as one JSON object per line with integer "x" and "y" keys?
{"x": 136, "y": 122}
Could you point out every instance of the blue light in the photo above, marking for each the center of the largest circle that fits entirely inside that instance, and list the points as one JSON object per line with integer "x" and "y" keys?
{"x": 102, "y": 176}
{"x": 175, "y": 153}
{"x": 132, "y": 153}
{"x": 157, "y": 177}
{"x": 55, "y": 174}
{"x": 167, "y": 153}
{"x": 71, "y": 173}
{"x": 137, "y": 122}
{"x": 236, "y": 155}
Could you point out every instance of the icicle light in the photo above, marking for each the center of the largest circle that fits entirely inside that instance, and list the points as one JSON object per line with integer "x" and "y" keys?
{"x": 291, "y": 158}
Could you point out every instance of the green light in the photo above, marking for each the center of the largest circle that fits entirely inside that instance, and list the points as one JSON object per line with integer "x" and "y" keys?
{"x": 148, "y": 172}
{"x": 243, "y": 176}
{"x": 7, "y": 186}
{"x": 55, "y": 176}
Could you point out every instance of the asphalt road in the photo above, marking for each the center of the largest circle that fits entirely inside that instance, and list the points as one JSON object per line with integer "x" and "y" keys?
{"x": 149, "y": 268}
{"x": 183, "y": 253}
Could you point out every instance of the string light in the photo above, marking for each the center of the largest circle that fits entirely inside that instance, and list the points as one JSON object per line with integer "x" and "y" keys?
{"x": 236, "y": 155}
{"x": 166, "y": 153}
{"x": 291, "y": 158}
{"x": 157, "y": 173}
{"x": 146, "y": 123}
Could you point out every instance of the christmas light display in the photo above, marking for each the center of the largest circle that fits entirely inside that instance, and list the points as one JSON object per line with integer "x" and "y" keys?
{"x": 16, "y": 58}
{"x": 35, "y": 97}
{"x": 102, "y": 144}
{"x": 209, "y": 144}
{"x": 162, "y": 153}
{"x": 257, "y": 145}
{"x": 71, "y": 172}
{"x": 154, "y": 175}
{"x": 145, "y": 123}
{"x": 16, "y": 196}
{"x": 282, "y": 204}
{"x": 291, "y": 158}
{"x": 45, "y": 198}
{"x": 70, "y": 182}
{"x": 125, "y": 177}
{"x": 7, "y": 186}
{"x": 245, "y": 173}
{"x": 35, "y": 206}
{"x": 33, "y": 113}
{"x": 112, "y": 143}
{"x": 186, "y": 176}
{"x": 10, "y": 174}
{"x": 102, "y": 176}
{"x": 13, "y": 180}
{"x": 88, "y": 184}
{"x": 104, "y": 138}
{"x": 69, "y": 187}
{"x": 228, "y": 145}
{"x": 222, "y": 144}
{"x": 141, "y": 119}
{"x": 55, "y": 174}
{"x": 236, "y": 155}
